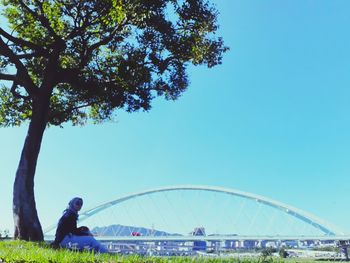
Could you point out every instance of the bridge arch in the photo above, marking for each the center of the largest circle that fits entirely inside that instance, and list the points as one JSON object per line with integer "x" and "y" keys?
{"x": 304, "y": 216}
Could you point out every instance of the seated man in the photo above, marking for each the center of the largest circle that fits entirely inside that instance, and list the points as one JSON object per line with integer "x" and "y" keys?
{"x": 68, "y": 235}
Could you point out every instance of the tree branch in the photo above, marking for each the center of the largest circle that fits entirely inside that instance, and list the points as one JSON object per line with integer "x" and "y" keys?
{"x": 70, "y": 76}
{"x": 9, "y": 77}
{"x": 22, "y": 73}
{"x": 80, "y": 106}
{"x": 16, "y": 94}
{"x": 28, "y": 55}
{"x": 43, "y": 20}
{"x": 103, "y": 41}
{"x": 79, "y": 29}
{"x": 23, "y": 43}
{"x": 14, "y": 79}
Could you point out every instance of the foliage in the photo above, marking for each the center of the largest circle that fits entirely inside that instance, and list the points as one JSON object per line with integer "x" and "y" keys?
{"x": 95, "y": 56}
{"x": 283, "y": 253}
{"x": 266, "y": 254}
{"x": 328, "y": 248}
{"x": 4, "y": 234}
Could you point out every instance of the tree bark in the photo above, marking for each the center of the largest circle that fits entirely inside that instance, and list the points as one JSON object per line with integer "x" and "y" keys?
{"x": 26, "y": 220}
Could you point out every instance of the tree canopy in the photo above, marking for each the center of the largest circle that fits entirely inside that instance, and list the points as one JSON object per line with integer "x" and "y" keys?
{"x": 99, "y": 55}
{"x": 75, "y": 60}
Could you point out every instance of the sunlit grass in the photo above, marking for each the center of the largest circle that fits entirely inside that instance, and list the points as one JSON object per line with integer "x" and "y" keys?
{"x": 30, "y": 252}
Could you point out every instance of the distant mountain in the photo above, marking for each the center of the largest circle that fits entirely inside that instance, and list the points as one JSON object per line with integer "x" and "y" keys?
{"x": 121, "y": 230}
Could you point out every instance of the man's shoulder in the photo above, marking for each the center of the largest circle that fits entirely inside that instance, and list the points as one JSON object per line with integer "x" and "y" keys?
{"x": 69, "y": 214}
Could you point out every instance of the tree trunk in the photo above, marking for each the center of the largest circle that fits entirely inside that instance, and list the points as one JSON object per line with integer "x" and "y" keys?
{"x": 26, "y": 220}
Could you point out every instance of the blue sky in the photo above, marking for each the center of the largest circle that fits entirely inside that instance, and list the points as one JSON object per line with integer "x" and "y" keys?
{"x": 273, "y": 119}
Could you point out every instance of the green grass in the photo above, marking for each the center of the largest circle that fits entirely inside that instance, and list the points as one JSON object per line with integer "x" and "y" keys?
{"x": 30, "y": 252}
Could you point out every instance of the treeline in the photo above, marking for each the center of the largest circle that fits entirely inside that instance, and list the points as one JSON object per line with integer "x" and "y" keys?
{"x": 4, "y": 234}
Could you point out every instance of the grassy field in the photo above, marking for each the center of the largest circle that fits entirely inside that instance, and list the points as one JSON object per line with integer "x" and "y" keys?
{"x": 29, "y": 252}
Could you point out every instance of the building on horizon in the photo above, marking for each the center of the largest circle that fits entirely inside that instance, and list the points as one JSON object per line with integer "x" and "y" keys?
{"x": 199, "y": 245}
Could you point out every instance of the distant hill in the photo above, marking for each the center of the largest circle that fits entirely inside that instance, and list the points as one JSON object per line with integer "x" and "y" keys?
{"x": 121, "y": 230}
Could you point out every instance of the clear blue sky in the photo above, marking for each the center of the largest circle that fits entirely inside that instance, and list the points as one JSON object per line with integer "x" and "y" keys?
{"x": 273, "y": 119}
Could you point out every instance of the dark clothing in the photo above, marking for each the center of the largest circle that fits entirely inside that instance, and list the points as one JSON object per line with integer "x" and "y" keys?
{"x": 71, "y": 237}
{"x": 66, "y": 225}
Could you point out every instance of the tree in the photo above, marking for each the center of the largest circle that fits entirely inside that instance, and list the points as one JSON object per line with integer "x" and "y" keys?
{"x": 74, "y": 61}
{"x": 283, "y": 253}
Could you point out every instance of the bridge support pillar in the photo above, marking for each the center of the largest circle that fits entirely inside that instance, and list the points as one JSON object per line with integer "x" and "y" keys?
{"x": 343, "y": 246}
{"x": 344, "y": 252}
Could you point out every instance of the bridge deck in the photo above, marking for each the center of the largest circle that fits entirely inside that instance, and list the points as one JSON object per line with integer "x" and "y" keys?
{"x": 219, "y": 238}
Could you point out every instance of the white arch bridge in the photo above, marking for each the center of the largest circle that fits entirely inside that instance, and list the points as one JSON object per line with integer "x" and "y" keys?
{"x": 317, "y": 228}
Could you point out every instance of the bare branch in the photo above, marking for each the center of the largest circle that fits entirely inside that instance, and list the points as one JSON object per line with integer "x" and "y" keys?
{"x": 9, "y": 77}
{"x": 28, "y": 55}
{"x": 88, "y": 104}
